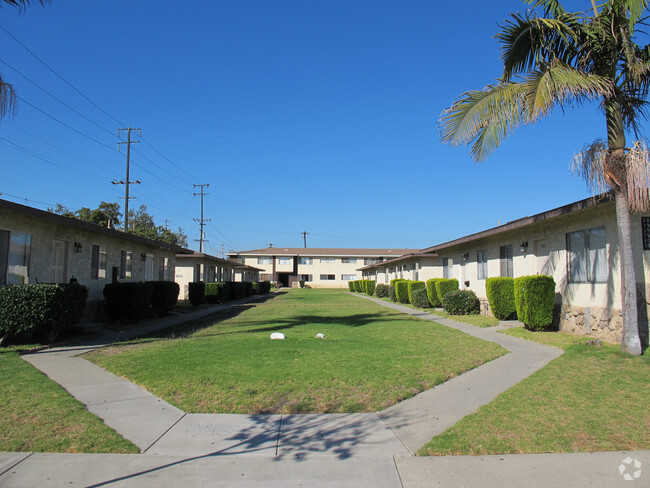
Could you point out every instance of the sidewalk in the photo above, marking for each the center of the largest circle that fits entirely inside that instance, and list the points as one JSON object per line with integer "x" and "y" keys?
{"x": 340, "y": 450}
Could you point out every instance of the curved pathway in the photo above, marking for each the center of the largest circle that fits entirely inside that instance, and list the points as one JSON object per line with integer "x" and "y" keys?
{"x": 180, "y": 449}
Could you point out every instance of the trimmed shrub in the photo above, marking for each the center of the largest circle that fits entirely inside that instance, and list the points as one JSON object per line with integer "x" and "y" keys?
{"x": 130, "y": 301}
{"x": 500, "y": 293}
{"x": 213, "y": 292}
{"x": 264, "y": 287}
{"x": 351, "y": 285}
{"x": 395, "y": 280}
{"x": 534, "y": 300}
{"x": 41, "y": 311}
{"x": 370, "y": 287}
{"x": 357, "y": 286}
{"x": 382, "y": 291}
{"x": 432, "y": 294}
{"x": 164, "y": 298}
{"x": 412, "y": 286}
{"x": 444, "y": 286}
{"x": 391, "y": 293}
{"x": 461, "y": 302}
{"x": 402, "y": 291}
{"x": 196, "y": 292}
{"x": 419, "y": 298}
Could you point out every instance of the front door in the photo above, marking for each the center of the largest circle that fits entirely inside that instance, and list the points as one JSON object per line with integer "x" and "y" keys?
{"x": 57, "y": 261}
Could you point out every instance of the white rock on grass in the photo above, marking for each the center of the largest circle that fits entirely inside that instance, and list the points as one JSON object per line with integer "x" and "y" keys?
{"x": 278, "y": 335}
{"x": 320, "y": 336}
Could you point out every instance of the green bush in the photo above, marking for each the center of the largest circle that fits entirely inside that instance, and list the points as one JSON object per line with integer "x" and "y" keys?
{"x": 382, "y": 291}
{"x": 40, "y": 311}
{"x": 402, "y": 291}
{"x": 500, "y": 293}
{"x": 461, "y": 302}
{"x": 391, "y": 293}
{"x": 130, "y": 301}
{"x": 444, "y": 286}
{"x": 213, "y": 292}
{"x": 264, "y": 287}
{"x": 351, "y": 285}
{"x": 196, "y": 291}
{"x": 370, "y": 287}
{"x": 357, "y": 286}
{"x": 432, "y": 294}
{"x": 395, "y": 280}
{"x": 534, "y": 301}
{"x": 419, "y": 298}
{"x": 164, "y": 298}
{"x": 412, "y": 286}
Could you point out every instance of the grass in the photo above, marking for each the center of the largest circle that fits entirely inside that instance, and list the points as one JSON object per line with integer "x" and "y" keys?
{"x": 588, "y": 399}
{"x": 37, "y": 415}
{"x": 372, "y": 357}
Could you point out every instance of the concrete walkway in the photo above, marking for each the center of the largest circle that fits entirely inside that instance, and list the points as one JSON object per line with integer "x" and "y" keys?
{"x": 339, "y": 450}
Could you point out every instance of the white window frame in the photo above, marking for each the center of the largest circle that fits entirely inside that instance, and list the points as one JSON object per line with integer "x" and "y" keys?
{"x": 587, "y": 263}
{"x": 482, "y": 264}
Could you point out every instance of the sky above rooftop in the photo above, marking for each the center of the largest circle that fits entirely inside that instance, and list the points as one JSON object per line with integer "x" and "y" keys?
{"x": 317, "y": 116}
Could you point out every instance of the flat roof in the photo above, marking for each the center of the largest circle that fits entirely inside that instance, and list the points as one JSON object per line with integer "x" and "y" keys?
{"x": 325, "y": 252}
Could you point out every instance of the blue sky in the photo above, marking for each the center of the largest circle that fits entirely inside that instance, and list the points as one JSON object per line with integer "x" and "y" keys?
{"x": 317, "y": 116}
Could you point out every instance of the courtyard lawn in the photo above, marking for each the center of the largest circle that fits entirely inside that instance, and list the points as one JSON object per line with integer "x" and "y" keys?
{"x": 589, "y": 399}
{"x": 371, "y": 358}
{"x": 38, "y": 415}
{"x": 475, "y": 320}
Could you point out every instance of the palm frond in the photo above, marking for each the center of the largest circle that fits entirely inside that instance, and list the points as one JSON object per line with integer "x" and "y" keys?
{"x": 21, "y": 4}
{"x": 590, "y": 163}
{"x": 638, "y": 177}
{"x": 7, "y": 98}
{"x": 551, "y": 7}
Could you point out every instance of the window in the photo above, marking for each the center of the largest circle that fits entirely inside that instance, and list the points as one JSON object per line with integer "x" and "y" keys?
{"x": 15, "y": 252}
{"x": 327, "y": 260}
{"x": 368, "y": 261}
{"x": 447, "y": 268}
{"x": 348, "y": 277}
{"x": 98, "y": 263}
{"x": 645, "y": 224}
{"x": 482, "y": 264}
{"x": 505, "y": 261}
{"x": 284, "y": 260}
{"x": 587, "y": 256}
{"x": 327, "y": 277}
{"x": 305, "y": 260}
{"x": 126, "y": 265}
{"x": 348, "y": 260}
{"x": 306, "y": 277}
{"x": 263, "y": 277}
{"x": 265, "y": 260}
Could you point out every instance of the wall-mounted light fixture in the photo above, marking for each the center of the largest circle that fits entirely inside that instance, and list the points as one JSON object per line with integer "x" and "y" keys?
{"x": 524, "y": 246}
{"x": 143, "y": 256}
{"x": 466, "y": 256}
{"x": 78, "y": 247}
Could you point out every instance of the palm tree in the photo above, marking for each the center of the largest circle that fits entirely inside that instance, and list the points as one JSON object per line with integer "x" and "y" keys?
{"x": 562, "y": 59}
{"x": 7, "y": 93}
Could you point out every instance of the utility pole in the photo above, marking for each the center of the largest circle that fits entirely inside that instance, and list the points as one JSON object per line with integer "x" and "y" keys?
{"x": 127, "y": 182}
{"x": 201, "y": 221}
{"x": 167, "y": 222}
{"x": 304, "y": 237}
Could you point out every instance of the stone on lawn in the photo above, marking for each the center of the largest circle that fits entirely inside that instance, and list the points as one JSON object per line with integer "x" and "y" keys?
{"x": 278, "y": 335}
{"x": 320, "y": 336}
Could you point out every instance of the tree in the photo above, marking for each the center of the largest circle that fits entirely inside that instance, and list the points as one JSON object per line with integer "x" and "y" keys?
{"x": 141, "y": 223}
{"x": 561, "y": 59}
{"x": 7, "y": 93}
{"x": 106, "y": 215}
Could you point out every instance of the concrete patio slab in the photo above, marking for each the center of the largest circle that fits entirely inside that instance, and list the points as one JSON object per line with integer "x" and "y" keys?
{"x": 338, "y": 435}
{"x": 600, "y": 469}
{"x": 221, "y": 434}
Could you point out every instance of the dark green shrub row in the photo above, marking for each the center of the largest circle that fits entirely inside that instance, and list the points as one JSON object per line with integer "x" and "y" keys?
{"x": 351, "y": 285}
{"x": 500, "y": 293}
{"x": 461, "y": 302}
{"x": 419, "y": 298}
{"x": 165, "y": 296}
{"x": 370, "y": 287}
{"x": 382, "y": 291}
{"x": 432, "y": 294}
{"x": 391, "y": 293}
{"x": 402, "y": 291}
{"x": 444, "y": 286}
{"x": 221, "y": 292}
{"x": 534, "y": 300}
{"x": 130, "y": 301}
{"x": 412, "y": 286}
{"x": 362, "y": 286}
{"x": 40, "y": 311}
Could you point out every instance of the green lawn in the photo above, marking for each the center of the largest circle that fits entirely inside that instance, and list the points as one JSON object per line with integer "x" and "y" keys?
{"x": 372, "y": 357}
{"x": 38, "y": 415}
{"x": 588, "y": 399}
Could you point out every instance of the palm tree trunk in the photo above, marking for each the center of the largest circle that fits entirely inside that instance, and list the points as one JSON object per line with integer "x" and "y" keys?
{"x": 631, "y": 341}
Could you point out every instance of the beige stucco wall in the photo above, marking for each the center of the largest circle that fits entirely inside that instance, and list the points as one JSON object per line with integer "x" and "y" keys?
{"x": 78, "y": 264}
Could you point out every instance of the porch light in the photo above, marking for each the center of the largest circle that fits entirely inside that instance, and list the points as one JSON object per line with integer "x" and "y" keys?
{"x": 143, "y": 256}
{"x": 466, "y": 256}
{"x": 78, "y": 247}
{"x": 524, "y": 246}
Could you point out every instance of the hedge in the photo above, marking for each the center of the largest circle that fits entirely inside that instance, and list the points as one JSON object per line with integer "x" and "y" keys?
{"x": 432, "y": 294}
{"x": 214, "y": 292}
{"x": 444, "y": 286}
{"x": 412, "y": 286}
{"x": 131, "y": 301}
{"x": 500, "y": 293}
{"x": 391, "y": 293}
{"x": 40, "y": 311}
{"x": 196, "y": 292}
{"x": 461, "y": 302}
{"x": 357, "y": 286}
{"x": 351, "y": 285}
{"x": 370, "y": 287}
{"x": 165, "y": 296}
{"x": 382, "y": 291}
{"x": 420, "y": 299}
{"x": 395, "y": 280}
{"x": 534, "y": 300}
{"x": 402, "y": 291}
